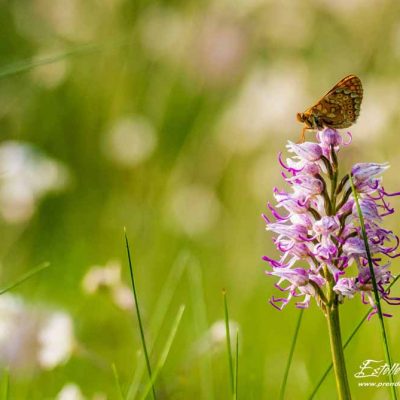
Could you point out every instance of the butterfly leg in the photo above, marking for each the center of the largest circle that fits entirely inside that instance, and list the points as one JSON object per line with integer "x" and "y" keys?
{"x": 303, "y": 135}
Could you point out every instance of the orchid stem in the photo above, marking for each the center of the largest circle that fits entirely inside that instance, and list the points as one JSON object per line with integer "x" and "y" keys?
{"x": 335, "y": 338}
{"x": 332, "y": 310}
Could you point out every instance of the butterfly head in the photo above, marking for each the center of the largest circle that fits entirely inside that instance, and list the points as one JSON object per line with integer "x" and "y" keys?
{"x": 300, "y": 117}
{"x": 307, "y": 119}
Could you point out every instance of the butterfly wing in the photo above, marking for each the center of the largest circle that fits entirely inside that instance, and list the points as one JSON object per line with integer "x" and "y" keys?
{"x": 340, "y": 107}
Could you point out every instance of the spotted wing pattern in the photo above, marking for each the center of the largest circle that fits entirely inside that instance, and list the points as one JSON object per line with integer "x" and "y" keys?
{"x": 340, "y": 107}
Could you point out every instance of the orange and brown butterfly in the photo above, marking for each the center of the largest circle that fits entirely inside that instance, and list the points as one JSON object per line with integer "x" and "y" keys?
{"x": 339, "y": 108}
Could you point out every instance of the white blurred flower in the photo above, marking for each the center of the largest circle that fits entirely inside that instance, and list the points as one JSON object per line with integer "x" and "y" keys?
{"x": 109, "y": 278}
{"x": 194, "y": 208}
{"x": 266, "y": 99}
{"x": 122, "y": 296}
{"x": 217, "y": 331}
{"x": 98, "y": 277}
{"x": 26, "y": 176}
{"x": 56, "y": 340}
{"x": 18, "y": 329}
{"x": 32, "y": 337}
{"x": 215, "y": 337}
{"x": 130, "y": 141}
{"x": 70, "y": 391}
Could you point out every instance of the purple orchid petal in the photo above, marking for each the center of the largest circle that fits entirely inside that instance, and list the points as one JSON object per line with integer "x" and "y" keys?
{"x": 283, "y": 165}
{"x": 308, "y": 233}
{"x": 350, "y": 139}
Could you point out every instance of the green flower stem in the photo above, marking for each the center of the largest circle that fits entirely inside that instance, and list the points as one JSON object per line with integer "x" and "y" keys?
{"x": 332, "y": 312}
{"x": 335, "y": 338}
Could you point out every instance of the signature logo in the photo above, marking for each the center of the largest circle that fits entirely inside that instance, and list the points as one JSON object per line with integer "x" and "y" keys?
{"x": 375, "y": 368}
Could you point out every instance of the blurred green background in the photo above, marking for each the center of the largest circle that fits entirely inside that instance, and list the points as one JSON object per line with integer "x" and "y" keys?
{"x": 166, "y": 117}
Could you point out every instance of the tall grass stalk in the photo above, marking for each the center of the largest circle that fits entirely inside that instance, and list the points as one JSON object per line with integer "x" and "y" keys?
{"x": 376, "y": 293}
{"x": 290, "y": 357}
{"x": 165, "y": 352}
{"x": 28, "y": 64}
{"x": 228, "y": 343}
{"x": 25, "y": 277}
{"x": 117, "y": 382}
{"x": 162, "y": 306}
{"x": 200, "y": 322}
{"x": 141, "y": 330}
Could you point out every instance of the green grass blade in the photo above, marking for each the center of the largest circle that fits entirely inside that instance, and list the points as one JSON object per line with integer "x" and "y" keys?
{"x": 235, "y": 397}
{"x": 349, "y": 339}
{"x": 25, "y": 277}
{"x": 290, "y": 357}
{"x": 376, "y": 294}
{"x": 228, "y": 343}
{"x": 141, "y": 330}
{"x": 162, "y": 306}
{"x": 117, "y": 382}
{"x": 165, "y": 352}
{"x": 200, "y": 322}
{"x": 5, "y": 392}
{"x": 28, "y": 64}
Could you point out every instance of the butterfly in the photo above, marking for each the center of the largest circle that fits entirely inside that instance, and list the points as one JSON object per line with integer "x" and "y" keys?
{"x": 339, "y": 108}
